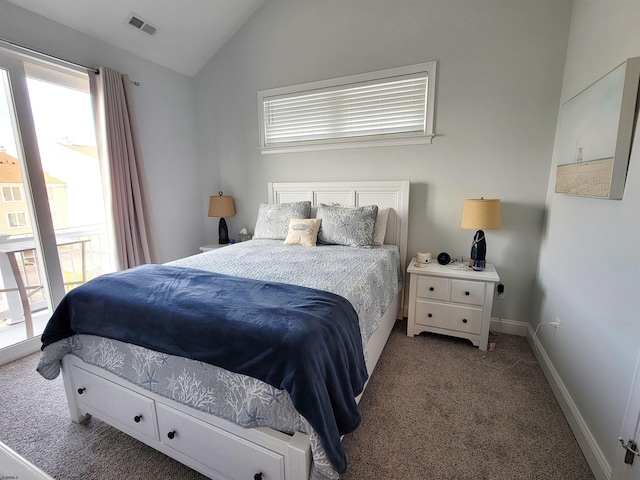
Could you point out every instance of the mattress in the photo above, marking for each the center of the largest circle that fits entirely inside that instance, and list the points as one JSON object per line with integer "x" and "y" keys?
{"x": 369, "y": 277}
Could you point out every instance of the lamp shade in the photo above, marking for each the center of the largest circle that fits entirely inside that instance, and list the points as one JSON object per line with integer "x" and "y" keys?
{"x": 481, "y": 214}
{"x": 221, "y": 206}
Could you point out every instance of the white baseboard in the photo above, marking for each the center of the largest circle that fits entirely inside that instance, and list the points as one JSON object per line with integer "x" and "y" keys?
{"x": 590, "y": 448}
{"x": 19, "y": 350}
{"x": 510, "y": 327}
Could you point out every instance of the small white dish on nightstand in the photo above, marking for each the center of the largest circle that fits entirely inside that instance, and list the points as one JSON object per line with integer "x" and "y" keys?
{"x": 458, "y": 266}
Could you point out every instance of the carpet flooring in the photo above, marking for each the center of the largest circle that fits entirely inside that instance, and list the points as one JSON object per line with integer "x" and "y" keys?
{"x": 438, "y": 408}
{"x": 435, "y": 408}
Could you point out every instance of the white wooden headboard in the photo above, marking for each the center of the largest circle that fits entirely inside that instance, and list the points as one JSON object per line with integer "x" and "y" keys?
{"x": 394, "y": 194}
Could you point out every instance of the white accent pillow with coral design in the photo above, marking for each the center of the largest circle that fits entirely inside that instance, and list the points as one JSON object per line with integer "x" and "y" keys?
{"x": 303, "y": 231}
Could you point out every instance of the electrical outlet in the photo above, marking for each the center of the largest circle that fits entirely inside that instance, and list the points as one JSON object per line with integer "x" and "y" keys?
{"x": 499, "y": 293}
{"x": 556, "y": 325}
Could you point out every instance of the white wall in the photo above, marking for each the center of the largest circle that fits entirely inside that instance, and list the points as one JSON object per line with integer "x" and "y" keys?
{"x": 165, "y": 111}
{"x": 589, "y": 257}
{"x": 499, "y": 86}
{"x": 499, "y": 76}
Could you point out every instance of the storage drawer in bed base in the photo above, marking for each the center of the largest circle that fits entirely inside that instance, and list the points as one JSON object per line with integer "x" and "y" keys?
{"x": 236, "y": 452}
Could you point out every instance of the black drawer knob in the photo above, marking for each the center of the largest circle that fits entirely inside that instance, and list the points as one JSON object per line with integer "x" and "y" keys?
{"x": 257, "y": 476}
{"x": 464, "y": 320}
{"x": 467, "y": 293}
{"x": 431, "y": 289}
{"x": 81, "y": 390}
{"x": 171, "y": 435}
{"x": 137, "y": 418}
{"x": 429, "y": 315}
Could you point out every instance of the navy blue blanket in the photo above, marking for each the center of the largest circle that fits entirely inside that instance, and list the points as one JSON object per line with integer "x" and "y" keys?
{"x": 300, "y": 339}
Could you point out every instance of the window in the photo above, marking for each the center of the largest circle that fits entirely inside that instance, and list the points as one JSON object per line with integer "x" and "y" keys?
{"x": 12, "y": 194}
{"x": 387, "y": 107}
{"x": 17, "y": 220}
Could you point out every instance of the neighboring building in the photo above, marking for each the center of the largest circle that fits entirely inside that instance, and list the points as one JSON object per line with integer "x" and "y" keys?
{"x": 14, "y": 211}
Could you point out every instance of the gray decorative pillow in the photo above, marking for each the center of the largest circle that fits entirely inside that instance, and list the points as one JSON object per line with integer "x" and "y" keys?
{"x": 273, "y": 218}
{"x": 347, "y": 225}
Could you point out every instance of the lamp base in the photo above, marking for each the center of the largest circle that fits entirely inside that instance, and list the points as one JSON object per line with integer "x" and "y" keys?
{"x": 477, "y": 265}
{"x": 478, "y": 252}
{"x": 223, "y": 232}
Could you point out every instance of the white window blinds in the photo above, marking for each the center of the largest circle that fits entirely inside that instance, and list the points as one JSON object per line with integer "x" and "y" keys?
{"x": 392, "y": 107}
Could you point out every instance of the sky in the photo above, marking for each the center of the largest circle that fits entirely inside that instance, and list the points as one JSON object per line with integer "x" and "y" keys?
{"x": 589, "y": 121}
{"x": 61, "y": 113}
{"x": 58, "y": 112}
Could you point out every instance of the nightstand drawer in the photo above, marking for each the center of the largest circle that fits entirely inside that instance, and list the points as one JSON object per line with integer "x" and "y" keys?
{"x": 432, "y": 287}
{"x": 450, "y": 317}
{"x": 471, "y": 293}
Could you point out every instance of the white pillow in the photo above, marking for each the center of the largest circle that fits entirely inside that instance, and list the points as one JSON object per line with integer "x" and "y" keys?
{"x": 303, "y": 231}
{"x": 380, "y": 229}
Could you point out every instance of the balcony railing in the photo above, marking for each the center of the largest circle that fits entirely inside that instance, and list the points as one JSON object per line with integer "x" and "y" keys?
{"x": 84, "y": 254}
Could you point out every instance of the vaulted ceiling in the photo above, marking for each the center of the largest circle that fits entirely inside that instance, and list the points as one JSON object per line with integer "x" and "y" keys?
{"x": 187, "y": 32}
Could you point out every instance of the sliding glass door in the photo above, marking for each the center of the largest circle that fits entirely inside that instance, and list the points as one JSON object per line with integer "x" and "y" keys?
{"x": 53, "y": 226}
{"x": 21, "y": 280}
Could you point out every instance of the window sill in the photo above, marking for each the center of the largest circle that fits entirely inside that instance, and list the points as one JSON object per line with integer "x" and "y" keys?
{"x": 310, "y": 147}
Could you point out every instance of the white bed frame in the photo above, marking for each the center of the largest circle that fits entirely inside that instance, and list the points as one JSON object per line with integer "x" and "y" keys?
{"x": 187, "y": 434}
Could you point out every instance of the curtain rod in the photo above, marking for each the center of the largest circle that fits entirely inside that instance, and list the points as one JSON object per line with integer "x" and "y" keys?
{"x": 47, "y": 56}
{"x": 32, "y": 51}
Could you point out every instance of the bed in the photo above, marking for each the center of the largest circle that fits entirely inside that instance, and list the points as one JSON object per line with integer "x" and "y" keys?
{"x": 224, "y": 422}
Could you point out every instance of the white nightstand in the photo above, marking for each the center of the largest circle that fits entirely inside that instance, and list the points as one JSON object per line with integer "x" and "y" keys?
{"x": 212, "y": 246}
{"x": 452, "y": 302}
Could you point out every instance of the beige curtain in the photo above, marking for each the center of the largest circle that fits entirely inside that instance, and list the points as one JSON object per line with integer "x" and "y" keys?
{"x": 120, "y": 155}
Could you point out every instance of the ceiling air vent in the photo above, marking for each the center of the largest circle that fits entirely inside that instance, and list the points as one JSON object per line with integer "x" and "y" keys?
{"x": 150, "y": 29}
{"x": 140, "y": 24}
